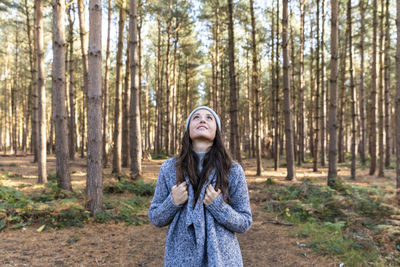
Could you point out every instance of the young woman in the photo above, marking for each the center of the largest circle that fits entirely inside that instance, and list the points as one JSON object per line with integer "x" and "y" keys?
{"x": 202, "y": 195}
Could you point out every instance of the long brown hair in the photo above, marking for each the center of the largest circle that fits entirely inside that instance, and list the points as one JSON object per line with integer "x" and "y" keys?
{"x": 217, "y": 158}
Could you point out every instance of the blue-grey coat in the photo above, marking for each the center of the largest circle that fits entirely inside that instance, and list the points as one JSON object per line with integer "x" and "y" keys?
{"x": 201, "y": 235}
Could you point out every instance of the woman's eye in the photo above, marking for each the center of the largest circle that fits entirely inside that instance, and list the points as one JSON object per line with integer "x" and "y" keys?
{"x": 196, "y": 117}
{"x": 209, "y": 117}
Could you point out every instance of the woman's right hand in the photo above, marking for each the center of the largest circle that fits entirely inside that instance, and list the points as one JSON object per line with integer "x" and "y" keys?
{"x": 180, "y": 193}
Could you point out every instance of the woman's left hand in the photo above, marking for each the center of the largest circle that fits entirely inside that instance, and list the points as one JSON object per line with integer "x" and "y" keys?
{"x": 210, "y": 195}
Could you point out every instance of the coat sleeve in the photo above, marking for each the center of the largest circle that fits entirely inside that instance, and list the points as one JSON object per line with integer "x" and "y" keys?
{"x": 236, "y": 216}
{"x": 162, "y": 209}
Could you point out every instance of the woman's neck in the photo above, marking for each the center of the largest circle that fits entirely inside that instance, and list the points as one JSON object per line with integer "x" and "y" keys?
{"x": 201, "y": 146}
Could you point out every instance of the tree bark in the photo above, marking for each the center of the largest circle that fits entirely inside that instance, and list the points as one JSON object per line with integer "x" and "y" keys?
{"x": 94, "y": 182}
{"x": 41, "y": 138}
{"x": 398, "y": 103}
{"x": 323, "y": 89}
{"x": 84, "y": 49}
{"x": 116, "y": 168}
{"x": 106, "y": 104}
{"x": 256, "y": 88}
{"x": 353, "y": 94}
{"x": 380, "y": 96}
{"x": 332, "y": 170}
{"x": 317, "y": 95}
{"x": 342, "y": 98}
{"x": 33, "y": 85}
{"x": 135, "y": 131}
{"x": 167, "y": 85}
{"x": 72, "y": 126}
{"x": 276, "y": 94}
{"x": 362, "y": 89}
{"x": 126, "y": 156}
{"x": 159, "y": 88}
{"x": 387, "y": 87}
{"x": 60, "y": 113}
{"x": 300, "y": 158}
{"x": 372, "y": 142}
{"x": 286, "y": 90}
{"x": 14, "y": 98}
{"x": 234, "y": 106}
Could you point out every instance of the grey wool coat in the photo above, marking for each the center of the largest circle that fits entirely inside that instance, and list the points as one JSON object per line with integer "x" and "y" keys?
{"x": 201, "y": 235}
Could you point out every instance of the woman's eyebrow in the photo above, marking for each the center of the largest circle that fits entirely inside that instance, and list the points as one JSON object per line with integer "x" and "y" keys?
{"x": 208, "y": 114}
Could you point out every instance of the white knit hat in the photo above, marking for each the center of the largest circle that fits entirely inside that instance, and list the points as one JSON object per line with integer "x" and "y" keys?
{"x": 207, "y": 108}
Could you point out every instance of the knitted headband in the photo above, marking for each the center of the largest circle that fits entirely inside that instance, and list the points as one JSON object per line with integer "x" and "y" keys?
{"x": 207, "y": 108}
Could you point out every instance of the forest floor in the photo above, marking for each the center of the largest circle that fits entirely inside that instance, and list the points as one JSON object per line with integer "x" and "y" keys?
{"x": 267, "y": 243}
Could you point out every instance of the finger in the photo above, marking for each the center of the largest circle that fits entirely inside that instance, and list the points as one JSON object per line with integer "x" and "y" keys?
{"x": 182, "y": 184}
{"x": 219, "y": 191}
{"x": 211, "y": 188}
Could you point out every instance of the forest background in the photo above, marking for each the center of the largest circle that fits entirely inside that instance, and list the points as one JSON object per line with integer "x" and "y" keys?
{"x": 297, "y": 83}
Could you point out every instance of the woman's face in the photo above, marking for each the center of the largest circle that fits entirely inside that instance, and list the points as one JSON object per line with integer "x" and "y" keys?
{"x": 202, "y": 125}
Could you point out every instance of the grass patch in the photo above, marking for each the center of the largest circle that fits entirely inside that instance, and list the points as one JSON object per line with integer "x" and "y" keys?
{"x": 10, "y": 175}
{"x": 137, "y": 187}
{"x": 159, "y": 156}
{"x": 348, "y": 222}
{"x": 59, "y": 208}
{"x": 9, "y": 165}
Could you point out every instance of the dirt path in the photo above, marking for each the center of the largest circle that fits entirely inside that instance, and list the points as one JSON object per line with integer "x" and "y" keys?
{"x": 266, "y": 244}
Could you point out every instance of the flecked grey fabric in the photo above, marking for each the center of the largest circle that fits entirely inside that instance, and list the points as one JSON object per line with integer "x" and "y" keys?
{"x": 201, "y": 235}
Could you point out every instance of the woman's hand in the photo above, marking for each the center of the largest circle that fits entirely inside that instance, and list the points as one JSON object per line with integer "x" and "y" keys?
{"x": 210, "y": 195}
{"x": 180, "y": 194}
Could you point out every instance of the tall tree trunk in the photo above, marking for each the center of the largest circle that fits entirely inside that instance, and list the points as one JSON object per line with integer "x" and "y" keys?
{"x": 372, "y": 142}
{"x": 398, "y": 103}
{"x": 6, "y": 105}
{"x": 312, "y": 95}
{"x": 214, "y": 102}
{"x": 60, "y": 114}
{"x": 135, "y": 132}
{"x": 72, "y": 126}
{"x": 380, "y": 97}
{"x": 317, "y": 95}
{"x": 301, "y": 87}
{"x": 42, "y": 176}
{"x": 83, "y": 37}
{"x": 159, "y": 88}
{"x": 14, "y": 98}
{"x": 286, "y": 90}
{"x": 167, "y": 85}
{"x": 323, "y": 89}
{"x": 234, "y": 106}
{"x": 342, "y": 98}
{"x": 248, "y": 120}
{"x": 116, "y": 168}
{"x": 126, "y": 156}
{"x": 353, "y": 94}
{"x": 94, "y": 182}
{"x": 33, "y": 70}
{"x": 332, "y": 170}
{"x": 173, "y": 98}
{"x": 387, "y": 86}
{"x": 106, "y": 104}
{"x": 362, "y": 90}
{"x": 293, "y": 86}
{"x": 256, "y": 87}
{"x": 276, "y": 94}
